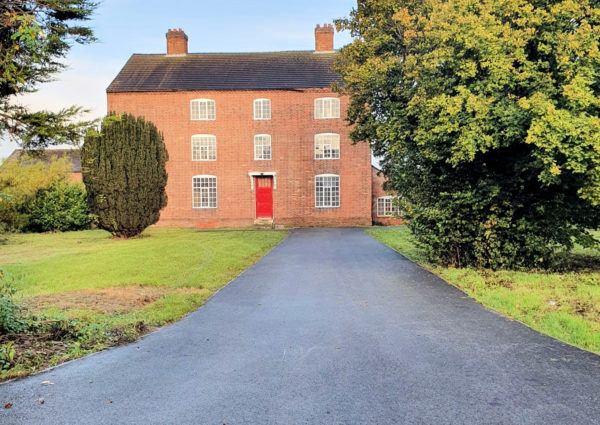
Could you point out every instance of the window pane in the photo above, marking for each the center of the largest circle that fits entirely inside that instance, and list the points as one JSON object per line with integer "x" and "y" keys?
{"x": 204, "y": 147}
{"x": 203, "y": 109}
{"x": 386, "y": 206}
{"x": 327, "y": 191}
{"x": 262, "y": 147}
{"x": 327, "y": 146}
{"x": 262, "y": 109}
{"x": 204, "y": 192}
{"x": 327, "y": 108}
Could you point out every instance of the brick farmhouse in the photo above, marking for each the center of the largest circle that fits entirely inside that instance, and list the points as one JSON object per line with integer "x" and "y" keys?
{"x": 253, "y": 137}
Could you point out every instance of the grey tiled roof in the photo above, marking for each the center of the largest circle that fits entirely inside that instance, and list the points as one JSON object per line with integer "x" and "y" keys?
{"x": 225, "y": 71}
{"x": 45, "y": 156}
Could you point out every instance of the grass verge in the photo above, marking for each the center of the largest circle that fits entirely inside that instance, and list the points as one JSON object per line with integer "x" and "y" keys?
{"x": 563, "y": 305}
{"x": 87, "y": 291}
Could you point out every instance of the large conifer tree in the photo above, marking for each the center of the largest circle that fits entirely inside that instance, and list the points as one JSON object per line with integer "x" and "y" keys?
{"x": 35, "y": 37}
{"x": 124, "y": 172}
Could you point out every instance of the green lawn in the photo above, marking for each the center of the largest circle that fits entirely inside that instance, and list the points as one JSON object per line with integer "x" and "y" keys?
{"x": 79, "y": 277}
{"x": 565, "y": 306}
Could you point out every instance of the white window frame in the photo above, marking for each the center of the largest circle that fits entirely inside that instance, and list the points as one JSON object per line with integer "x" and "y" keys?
{"x": 260, "y": 145}
{"x": 203, "y": 190}
{"x": 329, "y": 194}
{"x": 209, "y": 106}
{"x": 321, "y": 108}
{"x": 262, "y": 113}
{"x": 389, "y": 208}
{"x": 333, "y": 153}
{"x": 204, "y": 145}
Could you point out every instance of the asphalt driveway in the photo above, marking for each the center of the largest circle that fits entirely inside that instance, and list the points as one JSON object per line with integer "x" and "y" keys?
{"x": 331, "y": 327}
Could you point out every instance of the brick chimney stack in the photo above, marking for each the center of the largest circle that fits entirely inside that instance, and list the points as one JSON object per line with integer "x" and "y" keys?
{"x": 177, "y": 43}
{"x": 324, "y": 38}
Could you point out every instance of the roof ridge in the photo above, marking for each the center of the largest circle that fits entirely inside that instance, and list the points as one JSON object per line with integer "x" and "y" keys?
{"x": 233, "y": 53}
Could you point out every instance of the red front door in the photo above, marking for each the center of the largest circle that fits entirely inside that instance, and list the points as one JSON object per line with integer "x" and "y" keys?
{"x": 264, "y": 197}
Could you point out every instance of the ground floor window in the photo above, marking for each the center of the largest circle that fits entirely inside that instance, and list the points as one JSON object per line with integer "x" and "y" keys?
{"x": 204, "y": 192}
{"x": 386, "y": 206}
{"x": 327, "y": 191}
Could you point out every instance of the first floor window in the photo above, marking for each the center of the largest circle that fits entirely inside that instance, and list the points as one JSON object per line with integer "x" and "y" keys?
{"x": 204, "y": 147}
{"x": 204, "y": 192}
{"x": 327, "y": 108}
{"x": 327, "y": 191}
{"x": 203, "y": 109}
{"x": 262, "y": 146}
{"x": 386, "y": 206}
{"x": 327, "y": 146}
{"x": 262, "y": 109}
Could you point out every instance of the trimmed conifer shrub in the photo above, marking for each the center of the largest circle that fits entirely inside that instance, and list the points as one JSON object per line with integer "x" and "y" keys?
{"x": 123, "y": 169}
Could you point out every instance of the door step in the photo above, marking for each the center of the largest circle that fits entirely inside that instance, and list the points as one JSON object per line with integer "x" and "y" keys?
{"x": 263, "y": 222}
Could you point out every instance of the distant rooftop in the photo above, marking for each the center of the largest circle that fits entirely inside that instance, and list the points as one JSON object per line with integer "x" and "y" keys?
{"x": 226, "y": 71}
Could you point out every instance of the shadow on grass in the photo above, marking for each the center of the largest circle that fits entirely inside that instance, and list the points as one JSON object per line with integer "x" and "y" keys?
{"x": 578, "y": 263}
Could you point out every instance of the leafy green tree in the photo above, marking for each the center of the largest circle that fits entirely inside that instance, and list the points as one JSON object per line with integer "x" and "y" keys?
{"x": 34, "y": 38}
{"x": 20, "y": 181}
{"x": 486, "y": 114}
{"x": 61, "y": 207}
{"x": 124, "y": 173}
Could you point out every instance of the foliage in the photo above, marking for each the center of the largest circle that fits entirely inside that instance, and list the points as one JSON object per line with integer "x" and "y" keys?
{"x": 34, "y": 38}
{"x": 11, "y": 320}
{"x": 20, "y": 180}
{"x": 486, "y": 115}
{"x": 7, "y": 357}
{"x": 61, "y": 207}
{"x": 12, "y": 216}
{"x": 24, "y": 177}
{"x": 564, "y": 305}
{"x": 124, "y": 173}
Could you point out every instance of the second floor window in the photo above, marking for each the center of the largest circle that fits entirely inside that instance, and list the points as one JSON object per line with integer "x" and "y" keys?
{"x": 262, "y": 109}
{"x": 327, "y": 146}
{"x": 327, "y": 108}
{"x": 203, "y": 109}
{"x": 262, "y": 147}
{"x": 204, "y": 147}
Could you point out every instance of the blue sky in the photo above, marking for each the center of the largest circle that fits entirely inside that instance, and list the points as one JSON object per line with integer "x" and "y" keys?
{"x": 124, "y": 27}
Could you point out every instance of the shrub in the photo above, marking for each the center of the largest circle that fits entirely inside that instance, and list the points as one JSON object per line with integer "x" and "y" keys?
{"x": 11, "y": 319}
{"x": 20, "y": 181}
{"x": 61, "y": 207}
{"x": 7, "y": 357}
{"x": 124, "y": 173}
{"x": 12, "y": 216}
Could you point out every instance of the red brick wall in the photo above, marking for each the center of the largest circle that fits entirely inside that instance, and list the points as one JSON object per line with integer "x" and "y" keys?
{"x": 292, "y": 128}
{"x": 75, "y": 177}
{"x": 378, "y": 180}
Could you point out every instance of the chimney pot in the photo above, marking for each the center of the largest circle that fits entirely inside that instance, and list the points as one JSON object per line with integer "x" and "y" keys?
{"x": 324, "y": 38}
{"x": 177, "y": 42}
